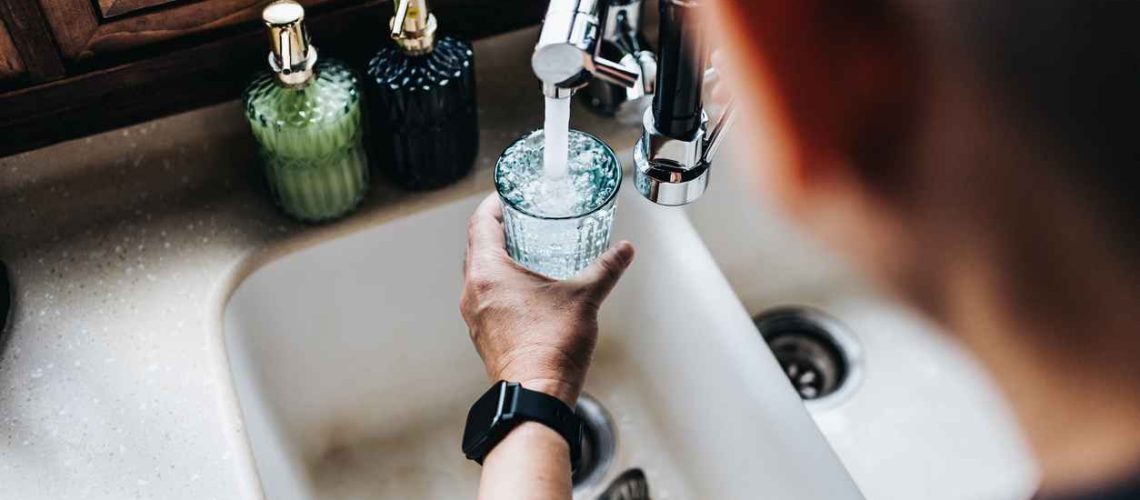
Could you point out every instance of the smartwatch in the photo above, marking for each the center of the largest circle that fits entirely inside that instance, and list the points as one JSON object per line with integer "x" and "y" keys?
{"x": 506, "y": 405}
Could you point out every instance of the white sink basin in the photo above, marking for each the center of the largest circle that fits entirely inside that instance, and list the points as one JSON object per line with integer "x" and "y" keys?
{"x": 923, "y": 422}
{"x": 354, "y": 371}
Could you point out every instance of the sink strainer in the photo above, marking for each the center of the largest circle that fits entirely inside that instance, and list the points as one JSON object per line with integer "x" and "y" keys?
{"x": 5, "y": 304}
{"x": 818, "y": 355}
{"x": 598, "y": 443}
{"x": 630, "y": 485}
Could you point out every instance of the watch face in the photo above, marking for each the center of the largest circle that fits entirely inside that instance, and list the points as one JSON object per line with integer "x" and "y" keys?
{"x": 483, "y": 415}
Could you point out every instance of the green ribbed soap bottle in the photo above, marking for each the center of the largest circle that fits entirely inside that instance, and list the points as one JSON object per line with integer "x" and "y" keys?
{"x": 306, "y": 117}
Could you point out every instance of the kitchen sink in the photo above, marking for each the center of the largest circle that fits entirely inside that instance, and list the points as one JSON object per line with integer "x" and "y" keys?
{"x": 922, "y": 420}
{"x": 354, "y": 371}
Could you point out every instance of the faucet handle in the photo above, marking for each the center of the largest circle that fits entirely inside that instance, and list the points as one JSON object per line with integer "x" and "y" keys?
{"x": 615, "y": 73}
{"x": 626, "y": 38}
{"x": 646, "y": 63}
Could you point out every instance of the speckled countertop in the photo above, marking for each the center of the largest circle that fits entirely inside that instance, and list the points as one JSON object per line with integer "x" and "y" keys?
{"x": 123, "y": 248}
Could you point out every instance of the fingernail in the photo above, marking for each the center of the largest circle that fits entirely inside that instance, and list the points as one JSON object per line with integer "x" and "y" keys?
{"x": 624, "y": 250}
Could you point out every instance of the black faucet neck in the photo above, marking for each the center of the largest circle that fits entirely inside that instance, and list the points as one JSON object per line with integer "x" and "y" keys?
{"x": 681, "y": 59}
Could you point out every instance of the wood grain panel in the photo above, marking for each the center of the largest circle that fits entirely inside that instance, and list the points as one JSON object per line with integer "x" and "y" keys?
{"x": 81, "y": 34}
{"x": 10, "y": 63}
{"x": 217, "y": 70}
{"x": 29, "y": 33}
{"x": 112, "y": 8}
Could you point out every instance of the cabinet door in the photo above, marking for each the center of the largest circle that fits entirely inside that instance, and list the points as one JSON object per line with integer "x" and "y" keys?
{"x": 85, "y": 28}
{"x": 115, "y": 8}
{"x": 10, "y": 63}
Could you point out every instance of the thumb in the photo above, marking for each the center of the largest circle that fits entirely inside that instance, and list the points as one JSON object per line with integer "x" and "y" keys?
{"x": 602, "y": 275}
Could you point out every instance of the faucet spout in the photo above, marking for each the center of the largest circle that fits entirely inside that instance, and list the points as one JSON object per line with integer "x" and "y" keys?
{"x": 566, "y": 55}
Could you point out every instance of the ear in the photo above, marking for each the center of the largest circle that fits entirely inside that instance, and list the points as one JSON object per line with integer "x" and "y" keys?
{"x": 831, "y": 80}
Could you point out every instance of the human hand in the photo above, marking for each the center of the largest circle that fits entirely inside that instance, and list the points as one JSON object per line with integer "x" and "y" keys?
{"x": 528, "y": 328}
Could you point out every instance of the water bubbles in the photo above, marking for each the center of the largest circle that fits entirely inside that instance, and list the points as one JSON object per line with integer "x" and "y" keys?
{"x": 592, "y": 180}
{"x": 557, "y": 225}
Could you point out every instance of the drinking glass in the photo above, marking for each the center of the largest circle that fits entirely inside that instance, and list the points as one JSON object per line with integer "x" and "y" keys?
{"x": 557, "y": 225}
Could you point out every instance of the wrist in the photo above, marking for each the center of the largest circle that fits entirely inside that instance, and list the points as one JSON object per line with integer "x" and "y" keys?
{"x": 546, "y": 374}
{"x": 531, "y": 458}
{"x": 566, "y": 392}
{"x": 534, "y": 432}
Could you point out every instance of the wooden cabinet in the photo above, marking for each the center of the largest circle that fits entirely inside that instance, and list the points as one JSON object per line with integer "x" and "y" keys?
{"x": 85, "y": 29}
{"x": 10, "y": 64}
{"x": 74, "y": 67}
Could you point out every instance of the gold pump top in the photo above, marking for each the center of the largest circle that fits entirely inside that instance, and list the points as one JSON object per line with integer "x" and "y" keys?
{"x": 413, "y": 27}
{"x": 291, "y": 55}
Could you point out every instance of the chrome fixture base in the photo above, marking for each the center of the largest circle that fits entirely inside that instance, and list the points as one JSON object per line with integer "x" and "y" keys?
{"x": 670, "y": 171}
{"x": 668, "y": 185}
{"x": 681, "y": 153}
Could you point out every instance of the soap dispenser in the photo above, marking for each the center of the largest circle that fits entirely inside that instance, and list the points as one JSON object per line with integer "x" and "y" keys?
{"x": 306, "y": 116}
{"x": 421, "y": 102}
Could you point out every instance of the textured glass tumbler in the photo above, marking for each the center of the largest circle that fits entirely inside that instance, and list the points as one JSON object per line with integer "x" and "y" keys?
{"x": 556, "y": 226}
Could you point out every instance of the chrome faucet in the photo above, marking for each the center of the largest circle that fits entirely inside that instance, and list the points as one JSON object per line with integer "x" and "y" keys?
{"x": 622, "y": 40}
{"x": 567, "y": 55}
{"x": 673, "y": 156}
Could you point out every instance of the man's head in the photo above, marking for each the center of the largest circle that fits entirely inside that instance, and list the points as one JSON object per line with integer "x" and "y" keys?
{"x": 951, "y": 148}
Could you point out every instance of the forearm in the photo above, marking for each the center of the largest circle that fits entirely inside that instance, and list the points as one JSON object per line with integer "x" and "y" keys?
{"x": 535, "y": 331}
{"x": 533, "y": 461}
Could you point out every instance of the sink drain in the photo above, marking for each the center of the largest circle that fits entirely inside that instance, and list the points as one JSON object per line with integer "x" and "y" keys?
{"x": 818, "y": 355}
{"x": 598, "y": 443}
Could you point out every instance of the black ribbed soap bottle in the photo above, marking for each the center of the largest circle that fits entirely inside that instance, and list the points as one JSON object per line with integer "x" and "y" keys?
{"x": 421, "y": 102}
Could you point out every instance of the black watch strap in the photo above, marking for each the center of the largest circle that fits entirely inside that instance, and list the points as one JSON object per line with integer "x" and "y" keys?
{"x": 506, "y": 405}
{"x": 552, "y": 412}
